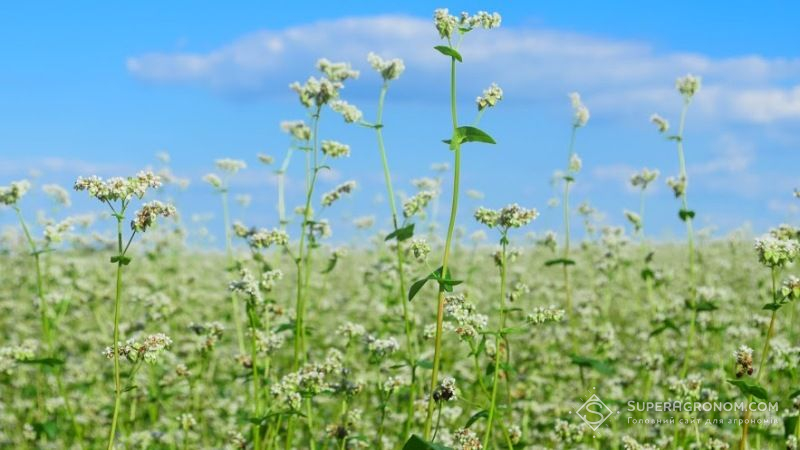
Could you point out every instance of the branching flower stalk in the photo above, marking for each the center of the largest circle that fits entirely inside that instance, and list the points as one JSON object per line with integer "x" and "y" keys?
{"x": 391, "y": 70}
{"x": 581, "y": 117}
{"x": 511, "y": 216}
{"x": 221, "y": 185}
{"x": 687, "y": 86}
{"x": 448, "y": 26}
{"x": 10, "y": 196}
{"x": 118, "y": 193}
{"x": 775, "y": 253}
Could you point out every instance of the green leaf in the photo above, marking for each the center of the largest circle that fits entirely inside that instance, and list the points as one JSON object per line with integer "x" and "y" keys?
{"x": 667, "y": 324}
{"x": 685, "y": 214}
{"x": 417, "y": 443}
{"x": 648, "y": 274}
{"x": 772, "y": 306}
{"x": 477, "y": 416}
{"x": 795, "y": 394}
{"x": 472, "y": 134}
{"x": 122, "y": 259}
{"x": 129, "y": 388}
{"x": 43, "y": 361}
{"x": 331, "y": 263}
{"x": 449, "y": 51}
{"x": 789, "y": 426}
{"x": 425, "y": 363}
{"x": 564, "y": 261}
{"x": 401, "y": 234}
{"x": 750, "y": 389}
{"x": 417, "y": 285}
{"x": 591, "y": 363}
{"x": 705, "y": 305}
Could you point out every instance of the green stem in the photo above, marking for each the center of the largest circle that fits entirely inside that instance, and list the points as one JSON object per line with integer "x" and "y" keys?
{"x": 117, "y": 297}
{"x": 764, "y": 355}
{"x": 229, "y": 252}
{"x": 301, "y": 261}
{"x": 496, "y": 378}
{"x": 411, "y": 353}
{"x": 567, "y": 182}
{"x": 446, "y": 258}
{"x": 690, "y": 239}
{"x": 256, "y": 376}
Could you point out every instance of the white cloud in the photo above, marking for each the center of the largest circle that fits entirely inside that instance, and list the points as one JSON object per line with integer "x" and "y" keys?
{"x": 616, "y": 76}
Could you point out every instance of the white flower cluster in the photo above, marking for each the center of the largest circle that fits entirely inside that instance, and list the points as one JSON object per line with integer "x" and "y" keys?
{"x": 9, "y": 356}
{"x": 634, "y": 219}
{"x": 309, "y": 380}
{"x": 148, "y": 350}
{"x": 265, "y": 159}
{"x": 146, "y": 216}
{"x": 230, "y": 165}
{"x": 58, "y": 194}
{"x": 581, "y": 112}
{"x": 661, "y": 123}
{"x": 468, "y": 321}
{"x": 688, "y": 85}
{"x": 54, "y": 232}
{"x": 210, "y": 334}
{"x": 349, "y": 112}
{"x": 343, "y": 189}
{"x": 351, "y": 330}
{"x": 575, "y": 163}
{"x": 10, "y": 195}
{"x": 247, "y": 286}
{"x": 490, "y": 97}
{"x": 643, "y": 178}
{"x": 269, "y": 279}
{"x": 774, "y": 252}
{"x": 447, "y": 24}
{"x": 258, "y": 238}
{"x": 381, "y": 348}
{"x": 744, "y": 361}
{"x": 678, "y": 185}
{"x": 389, "y": 69}
{"x": 297, "y": 128}
{"x": 542, "y": 315}
{"x": 446, "y": 391}
{"x": 510, "y": 216}
{"x": 213, "y": 179}
{"x": 118, "y": 188}
{"x": 466, "y": 439}
{"x": 417, "y": 203}
{"x": 335, "y": 149}
{"x": 268, "y": 342}
{"x": 336, "y": 71}
{"x": 420, "y": 249}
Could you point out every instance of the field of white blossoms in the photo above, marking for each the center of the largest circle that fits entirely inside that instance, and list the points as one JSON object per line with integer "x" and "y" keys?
{"x": 116, "y": 334}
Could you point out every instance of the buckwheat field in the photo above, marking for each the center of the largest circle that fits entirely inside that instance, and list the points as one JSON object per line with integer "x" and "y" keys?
{"x": 115, "y": 333}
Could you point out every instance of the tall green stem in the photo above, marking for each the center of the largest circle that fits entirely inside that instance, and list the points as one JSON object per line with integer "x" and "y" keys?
{"x": 456, "y": 146}
{"x": 496, "y": 378}
{"x": 229, "y": 252}
{"x": 411, "y": 352}
{"x": 764, "y": 355}
{"x": 256, "y": 376}
{"x": 567, "y": 182}
{"x": 117, "y": 297}
{"x": 689, "y": 236}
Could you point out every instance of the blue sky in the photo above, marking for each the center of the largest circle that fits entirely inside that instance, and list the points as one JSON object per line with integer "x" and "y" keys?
{"x": 99, "y": 88}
